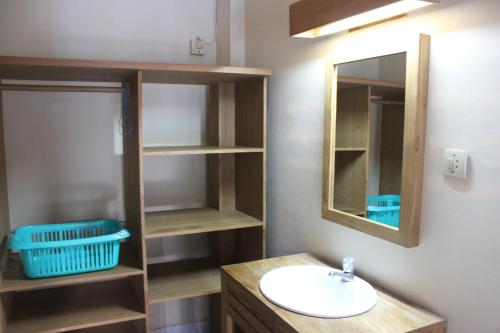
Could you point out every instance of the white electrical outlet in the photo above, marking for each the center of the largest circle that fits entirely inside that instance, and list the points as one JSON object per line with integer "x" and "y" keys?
{"x": 455, "y": 163}
{"x": 197, "y": 46}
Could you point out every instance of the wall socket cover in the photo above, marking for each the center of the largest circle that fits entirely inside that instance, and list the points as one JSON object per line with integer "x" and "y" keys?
{"x": 197, "y": 46}
{"x": 455, "y": 163}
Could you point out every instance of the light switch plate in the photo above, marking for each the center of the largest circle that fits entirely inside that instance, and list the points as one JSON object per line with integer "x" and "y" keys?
{"x": 455, "y": 163}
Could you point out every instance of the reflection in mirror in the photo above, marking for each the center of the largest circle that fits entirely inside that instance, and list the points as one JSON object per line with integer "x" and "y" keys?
{"x": 369, "y": 128}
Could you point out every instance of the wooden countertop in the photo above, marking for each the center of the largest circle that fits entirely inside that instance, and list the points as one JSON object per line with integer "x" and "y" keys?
{"x": 390, "y": 315}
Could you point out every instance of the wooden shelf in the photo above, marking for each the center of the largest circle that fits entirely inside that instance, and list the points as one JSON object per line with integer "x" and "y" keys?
{"x": 64, "y": 320}
{"x": 351, "y": 149}
{"x": 194, "y": 221}
{"x": 25, "y": 68}
{"x": 13, "y": 278}
{"x": 125, "y": 327}
{"x": 185, "y": 279}
{"x": 198, "y": 150}
{"x": 378, "y": 88}
{"x": 71, "y": 308}
{"x": 350, "y": 210}
{"x": 356, "y": 81}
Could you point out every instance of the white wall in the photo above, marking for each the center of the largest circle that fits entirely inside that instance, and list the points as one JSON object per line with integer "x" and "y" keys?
{"x": 456, "y": 269}
{"x": 63, "y": 155}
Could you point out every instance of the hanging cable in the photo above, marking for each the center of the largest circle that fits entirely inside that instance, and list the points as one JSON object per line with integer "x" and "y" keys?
{"x": 198, "y": 38}
{"x": 126, "y": 123}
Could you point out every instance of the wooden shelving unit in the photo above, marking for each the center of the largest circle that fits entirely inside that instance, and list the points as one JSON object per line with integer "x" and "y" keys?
{"x": 354, "y": 96}
{"x": 117, "y": 300}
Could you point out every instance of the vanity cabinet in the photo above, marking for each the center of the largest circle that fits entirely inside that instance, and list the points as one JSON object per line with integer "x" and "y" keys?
{"x": 245, "y": 309}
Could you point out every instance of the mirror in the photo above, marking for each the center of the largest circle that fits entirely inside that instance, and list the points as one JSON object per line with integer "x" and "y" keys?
{"x": 374, "y": 135}
{"x": 369, "y": 132}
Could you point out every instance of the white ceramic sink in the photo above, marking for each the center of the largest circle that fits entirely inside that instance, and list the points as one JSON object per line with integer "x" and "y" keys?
{"x": 309, "y": 290}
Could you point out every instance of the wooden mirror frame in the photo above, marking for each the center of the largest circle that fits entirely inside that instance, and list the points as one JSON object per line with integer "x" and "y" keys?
{"x": 417, "y": 68}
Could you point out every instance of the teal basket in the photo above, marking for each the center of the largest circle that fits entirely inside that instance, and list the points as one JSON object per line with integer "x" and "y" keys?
{"x": 384, "y": 209}
{"x": 68, "y": 248}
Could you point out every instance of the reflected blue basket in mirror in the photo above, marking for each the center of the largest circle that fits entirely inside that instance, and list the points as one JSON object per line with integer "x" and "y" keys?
{"x": 384, "y": 209}
{"x": 68, "y": 248}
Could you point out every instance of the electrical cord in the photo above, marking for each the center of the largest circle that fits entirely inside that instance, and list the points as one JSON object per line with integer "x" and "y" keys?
{"x": 199, "y": 39}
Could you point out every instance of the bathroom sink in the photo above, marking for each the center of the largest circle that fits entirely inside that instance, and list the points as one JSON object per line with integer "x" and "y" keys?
{"x": 310, "y": 290}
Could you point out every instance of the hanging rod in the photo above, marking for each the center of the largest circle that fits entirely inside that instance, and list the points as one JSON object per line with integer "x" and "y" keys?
{"x": 381, "y": 100}
{"x": 26, "y": 87}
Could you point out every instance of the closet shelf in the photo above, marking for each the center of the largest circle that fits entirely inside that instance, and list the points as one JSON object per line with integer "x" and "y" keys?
{"x": 73, "y": 307}
{"x": 13, "y": 278}
{"x": 71, "y": 319}
{"x": 198, "y": 150}
{"x": 182, "y": 279}
{"x": 125, "y": 327}
{"x": 350, "y": 210}
{"x": 26, "y": 68}
{"x": 378, "y": 88}
{"x": 350, "y": 149}
{"x": 195, "y": 221}
{"x": 356, "y": 81}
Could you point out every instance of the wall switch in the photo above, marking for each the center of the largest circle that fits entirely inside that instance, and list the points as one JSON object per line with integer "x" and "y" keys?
{"x": 197, "y": 46}
{"x": 455, "y": 163}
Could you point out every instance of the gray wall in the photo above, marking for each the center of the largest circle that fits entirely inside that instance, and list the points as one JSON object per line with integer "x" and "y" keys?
{"x": 456, "y": 269}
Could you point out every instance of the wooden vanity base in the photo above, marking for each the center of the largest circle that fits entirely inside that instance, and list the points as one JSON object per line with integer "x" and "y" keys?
{"x": 245, "y": 309}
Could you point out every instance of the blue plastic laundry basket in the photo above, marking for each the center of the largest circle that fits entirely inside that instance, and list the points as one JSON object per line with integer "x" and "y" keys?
{"x": 68, "y": 248}
{"x": 384, "y": 209}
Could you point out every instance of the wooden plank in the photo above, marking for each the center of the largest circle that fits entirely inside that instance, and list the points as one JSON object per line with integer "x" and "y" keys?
{"x": 4, "y": 201}
{"x": 391, "y": 149}
{"x": 308, "y": 16}
{"x": 185, "y": 279}
{"x": 197, "y": 150}
{"x": 194, "y": 221}
{"x": 352, "y": 115}
{"x": 417, "y": 76}
{"x": 125, "y": 327}
{"x": 26, "y": 68}
{"x": 15, "y": 280}
{"x": 349, "y": 150}
{"x": 133, "y": 169}
{"x": 250, "y": 244}
{"x": 133, "y": 183}
{"x": 390, "y": 315}
{"x": 350, "y": 181}
{"x": 72, "y": 308}
{"x": 5, "y": 300}
{"x": 251, "y": 108}
{"x": 221, "y": 132}
{"x": 250, "y": 185}
{"x": 347, "y": 81}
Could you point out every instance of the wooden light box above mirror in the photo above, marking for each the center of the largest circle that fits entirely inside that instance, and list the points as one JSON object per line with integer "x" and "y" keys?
{"x": 375, "y": 114}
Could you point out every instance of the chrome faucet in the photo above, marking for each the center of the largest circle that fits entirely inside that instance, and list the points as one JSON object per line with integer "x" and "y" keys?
{"x": 347, "y": 274}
